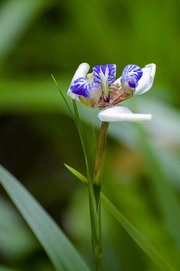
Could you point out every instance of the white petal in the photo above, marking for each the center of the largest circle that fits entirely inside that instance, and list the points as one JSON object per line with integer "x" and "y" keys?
{"x": 146, "y": 81}
{"x": 81, "y": 71}
{"x": 122, "y": 113}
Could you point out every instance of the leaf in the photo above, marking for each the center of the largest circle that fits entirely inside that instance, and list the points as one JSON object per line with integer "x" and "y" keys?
{"x": 63, "y": 96}
{"x": 80, "y": 131}
{"x": 135, "y": 234}
{"x": 15, "y": 238}
{"x": 81, "y": 177}
{"x": 59, "y": 249}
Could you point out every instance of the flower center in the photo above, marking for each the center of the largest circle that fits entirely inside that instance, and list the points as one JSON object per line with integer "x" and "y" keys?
{"x": 104, "y": 81}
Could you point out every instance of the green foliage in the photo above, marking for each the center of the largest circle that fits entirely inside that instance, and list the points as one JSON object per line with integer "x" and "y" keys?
{"x": 82, "y": 178}
{"x": 15, "y": 239}
{"x": 61, "y": 252}
{"x": 135, "y": 234}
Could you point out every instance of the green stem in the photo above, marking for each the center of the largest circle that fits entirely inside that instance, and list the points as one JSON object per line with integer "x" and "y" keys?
{"x": 94, "y": 187}
{"x": 100, "y": 155}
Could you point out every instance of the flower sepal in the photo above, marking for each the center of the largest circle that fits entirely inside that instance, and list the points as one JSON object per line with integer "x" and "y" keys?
{"x": 122, "y": 113}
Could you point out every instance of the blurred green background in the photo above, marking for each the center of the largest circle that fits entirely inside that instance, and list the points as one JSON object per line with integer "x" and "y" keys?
{"x": 142, "y": 173}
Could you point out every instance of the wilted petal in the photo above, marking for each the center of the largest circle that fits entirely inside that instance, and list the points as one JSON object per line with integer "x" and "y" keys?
{"x": 81, "y": 71}
{"x": 146, "y": 81}
{"x": 107, "y": 70}
{"x": 122, "y": 113}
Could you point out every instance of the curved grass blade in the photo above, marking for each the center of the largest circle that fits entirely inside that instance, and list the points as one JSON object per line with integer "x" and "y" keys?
{"x": 59, "y": 249}
{"x": 77, "y": 174}
{"x": 135, "y": 234}
{"x": 63, "y": 96}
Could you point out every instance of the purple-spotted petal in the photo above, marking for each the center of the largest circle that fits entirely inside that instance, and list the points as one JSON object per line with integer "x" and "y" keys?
{"x": 131, "y": 75}
{"x": 109, "y": 70}
{"x": 83, "y": 87}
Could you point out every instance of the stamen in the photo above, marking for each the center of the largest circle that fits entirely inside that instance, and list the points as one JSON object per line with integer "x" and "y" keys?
{"x": 104, "y": 81}
{"x": 105, "y": 75}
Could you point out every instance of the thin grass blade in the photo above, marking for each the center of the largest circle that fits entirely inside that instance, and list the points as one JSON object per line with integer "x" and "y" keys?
{"x": 63, "y": 96}
{"x": 81, "y": 177}
{"x": 134, "y": 233}
{"x": 137, "y": 236}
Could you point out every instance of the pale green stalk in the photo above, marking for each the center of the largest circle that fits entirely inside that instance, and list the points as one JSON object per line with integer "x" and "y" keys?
{"x": 94, "y": 217}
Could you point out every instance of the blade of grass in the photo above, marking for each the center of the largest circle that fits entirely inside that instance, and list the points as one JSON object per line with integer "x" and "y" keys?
{"x": 94, "y": 211}
{"x": 15, "y": 238}
{"x": 77, "y": 122}
{"x": 137, "y": 236}
{"x": 77, "y": 174}
{"x": 134, "y": 233}
{"x": 59, "y": 249}
{"x": 63, "y": 96}
{"x": 79, "y": 128}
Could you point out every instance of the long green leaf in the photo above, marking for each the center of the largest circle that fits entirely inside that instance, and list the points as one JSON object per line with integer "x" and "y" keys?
{"x": 15, "y": 238}
{"x": 59, "y": 249}
{"x": 135, "y": 234}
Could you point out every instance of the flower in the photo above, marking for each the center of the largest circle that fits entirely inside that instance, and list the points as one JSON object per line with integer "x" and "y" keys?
{"x": 100, "y": 89}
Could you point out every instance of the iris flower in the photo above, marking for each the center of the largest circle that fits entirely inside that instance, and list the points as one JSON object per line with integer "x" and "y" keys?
{"x": 101, "y": 89}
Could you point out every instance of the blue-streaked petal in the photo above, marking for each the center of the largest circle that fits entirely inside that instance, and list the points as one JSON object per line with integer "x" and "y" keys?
{"x": 83, "y": 87}
{"x": 111, "y": 75}
{"x": 81, "y": 71}
{"x": 131, "y": 75}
